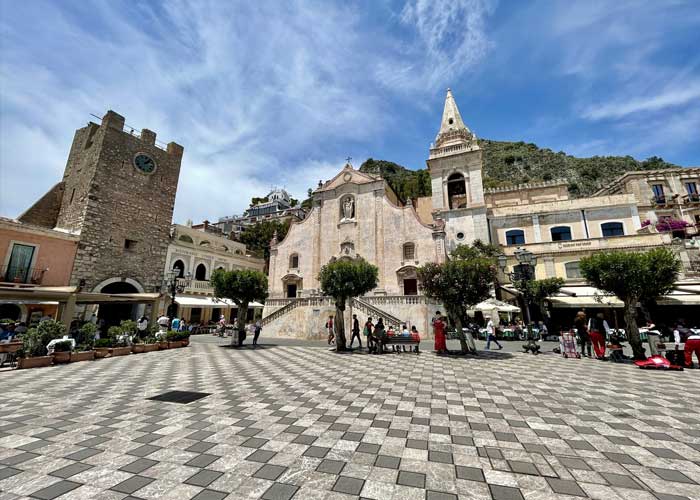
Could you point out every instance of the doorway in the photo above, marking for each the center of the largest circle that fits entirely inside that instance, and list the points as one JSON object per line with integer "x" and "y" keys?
{"x": 291, "y": 290}
{"x": 114, "y": 313}
{"x": 410, "y": 286}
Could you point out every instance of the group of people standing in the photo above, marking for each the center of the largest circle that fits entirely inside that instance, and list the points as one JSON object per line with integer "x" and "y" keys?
{"x": 371, "y": 331}
{"x": 592, "y": 333}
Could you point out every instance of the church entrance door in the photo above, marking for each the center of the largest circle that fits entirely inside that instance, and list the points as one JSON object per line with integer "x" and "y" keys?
{"x": 291, "y": 290}
{"x": 410, "y": 286}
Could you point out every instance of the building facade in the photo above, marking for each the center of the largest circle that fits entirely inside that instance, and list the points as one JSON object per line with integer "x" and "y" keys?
{"x": 358, "y": 214}
{"x": 193, "y": 255}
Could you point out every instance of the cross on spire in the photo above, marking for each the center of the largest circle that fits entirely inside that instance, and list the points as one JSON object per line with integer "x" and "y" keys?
{"x": 347, "y": 160}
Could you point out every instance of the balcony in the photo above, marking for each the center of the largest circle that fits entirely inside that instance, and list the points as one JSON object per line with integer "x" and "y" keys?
{"x": 692, "y": 199}
{"x": 661, "y": 201}
{"x": 12, "y": 274}
{"x": 201, "y": 287}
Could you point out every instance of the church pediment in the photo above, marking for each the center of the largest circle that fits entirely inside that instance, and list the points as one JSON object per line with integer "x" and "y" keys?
{"x": 347, "y": 175}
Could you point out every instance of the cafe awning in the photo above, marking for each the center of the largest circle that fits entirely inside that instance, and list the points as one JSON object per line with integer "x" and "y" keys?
{"x": 210, "y": 302}
{"x": 683, "y": 295}
{"x": 583, "y": 296}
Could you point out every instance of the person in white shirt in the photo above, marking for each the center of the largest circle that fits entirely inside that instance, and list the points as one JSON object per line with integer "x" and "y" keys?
{"x": 491, "y": 335}
{"x": 142, "y": 326}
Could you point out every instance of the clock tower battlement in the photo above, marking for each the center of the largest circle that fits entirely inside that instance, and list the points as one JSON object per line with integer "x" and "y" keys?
{"x": 119, "y": 191}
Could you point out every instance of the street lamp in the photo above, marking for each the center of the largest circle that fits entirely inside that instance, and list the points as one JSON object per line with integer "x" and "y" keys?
{"x": 522, "y": 275}
{"x": 173, "y": 286}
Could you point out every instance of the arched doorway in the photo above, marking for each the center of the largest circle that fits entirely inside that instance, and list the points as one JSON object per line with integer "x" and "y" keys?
{"x": 179, "y": 268}
{"x": 200, "y": 273}
{"x": 10, "y": 311}
{"x": 115, "y": 313}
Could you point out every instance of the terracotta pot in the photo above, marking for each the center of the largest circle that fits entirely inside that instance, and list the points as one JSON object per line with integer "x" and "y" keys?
{"x": 138, "y": 348}
{"x": 37, "y": 362}
{"x": 103, "y": 352}
{"x": 164, "y": 345}
{"x": 175, "y": 344}
{"x": 185, "y": 342}
{"x": 121, "y": 351}
{"x": 61, "y": 357}
{"x": 10, "y": 347}
{"x": 82, "y": 356}
{"x": 150, "y": 347}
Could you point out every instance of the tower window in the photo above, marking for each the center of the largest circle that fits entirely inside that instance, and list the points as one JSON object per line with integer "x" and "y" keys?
{"x": 457, "y": 191}
{"x": 130, "y": 244}
{"x": 294, "y": 261}
{"x": 450, "y": 121}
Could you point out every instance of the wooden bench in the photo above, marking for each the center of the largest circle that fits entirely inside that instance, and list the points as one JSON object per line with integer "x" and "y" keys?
{"x": 397, "y": 340}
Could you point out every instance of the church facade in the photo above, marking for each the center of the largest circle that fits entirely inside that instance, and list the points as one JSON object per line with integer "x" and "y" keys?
{"x": 358, "y": 214}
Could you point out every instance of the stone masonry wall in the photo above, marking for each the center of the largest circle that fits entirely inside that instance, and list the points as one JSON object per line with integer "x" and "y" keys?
{"x": 44, "y": 212}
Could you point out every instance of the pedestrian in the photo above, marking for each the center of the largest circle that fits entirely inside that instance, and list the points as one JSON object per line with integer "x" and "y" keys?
{"x": 599, "y": 330}
{"x": 439, "y": 325}
{"x": 368, "y": 333}
{"x": 142, "y": 327}
{"x": 582, "y": 332}
{"x": 355, "y": 331}
{"x": 331, "y": 331}
{"x": 491, "y": 334}
{"x": 377, "y": 336}
{"x": 256, "y": 334}
{"x": 692, "y": 344}
{"x": 183, "y": 325}
{"x": 544, "y": 332}
{"x": 175, "y": 324}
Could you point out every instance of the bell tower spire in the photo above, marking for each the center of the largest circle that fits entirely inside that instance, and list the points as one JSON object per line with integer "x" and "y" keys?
{"x": 452, "y": 127}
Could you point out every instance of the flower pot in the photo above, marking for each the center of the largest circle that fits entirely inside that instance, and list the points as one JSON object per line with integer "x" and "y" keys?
{"x": 82, "y": 356}
{"x": 175, "y": 344}
{"x": 138, "y": 348}
{"x": 103, "y": 352}
{"x": 121, "y": 351}
{"x": 36, "y": 362}
{"x": 61, "y": 357}
{"x": 185, "y": 342}
{"x": 10, "y": 347}
{"x": 150, "y": 347}
{"x": 164, "y": 345}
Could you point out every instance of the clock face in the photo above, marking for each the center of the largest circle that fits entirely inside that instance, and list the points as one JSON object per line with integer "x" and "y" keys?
{"x": 144, "y": 163}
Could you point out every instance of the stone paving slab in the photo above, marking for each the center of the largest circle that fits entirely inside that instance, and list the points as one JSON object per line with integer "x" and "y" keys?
{"x": 298, "y": 421}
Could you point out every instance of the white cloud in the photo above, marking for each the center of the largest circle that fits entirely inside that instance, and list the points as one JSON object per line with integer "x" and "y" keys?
{"x": 667, "y": 98}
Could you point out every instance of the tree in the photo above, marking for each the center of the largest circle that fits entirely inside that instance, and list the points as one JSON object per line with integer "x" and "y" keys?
{"x": 257, "y": 237}
{"x": 633, "y": 277}
{"x": 461, "y": 282}
{"x": 345, "y": 279}
{"x": 537, "y": 291}
{"x": 242, "y": 286}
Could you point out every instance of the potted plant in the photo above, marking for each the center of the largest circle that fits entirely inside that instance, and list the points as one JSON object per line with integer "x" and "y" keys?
{"x": 185, "y": 338}
{"x": 85, "y": 340}
{"x": 138, "y": 346}
{"x": 103, "y": 347}
{"x": 174, "y": 339}
{"x": 33, "y": 352}
{"x": 62, "y": 351}
{"x": 150, "y": 344}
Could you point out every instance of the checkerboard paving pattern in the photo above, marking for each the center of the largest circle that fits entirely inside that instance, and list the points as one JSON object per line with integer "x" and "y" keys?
{"x": 301, "y": 422}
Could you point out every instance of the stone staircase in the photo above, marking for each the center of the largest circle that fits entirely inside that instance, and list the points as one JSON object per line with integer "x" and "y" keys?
{"x": 375, "y": 312}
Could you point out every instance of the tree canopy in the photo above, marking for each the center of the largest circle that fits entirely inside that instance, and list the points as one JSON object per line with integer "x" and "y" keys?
{"x": 257, "y": 237}
{"x": 633, "y": 277}
{"x": 242, "y": 286}
{"x": 344, "y": 279}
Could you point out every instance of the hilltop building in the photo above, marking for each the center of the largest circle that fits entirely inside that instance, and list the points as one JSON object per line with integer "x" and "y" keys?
{"x": 356, "y": 213}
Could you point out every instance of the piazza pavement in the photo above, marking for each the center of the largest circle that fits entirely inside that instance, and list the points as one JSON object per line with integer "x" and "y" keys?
{"x": 293, "y": 420}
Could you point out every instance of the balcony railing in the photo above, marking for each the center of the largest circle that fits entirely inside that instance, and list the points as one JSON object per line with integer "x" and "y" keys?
{"x": 195, "y": 286}
{"x": 12, "y": 274}
{"x": 660, "y": 201}
{"x": 692, "y": 199}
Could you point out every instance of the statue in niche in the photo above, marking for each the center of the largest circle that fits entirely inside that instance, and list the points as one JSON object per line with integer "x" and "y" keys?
{"x": 348, "y": 209}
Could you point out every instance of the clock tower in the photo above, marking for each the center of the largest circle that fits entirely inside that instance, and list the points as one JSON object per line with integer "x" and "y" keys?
{"x": 118, "y": 194}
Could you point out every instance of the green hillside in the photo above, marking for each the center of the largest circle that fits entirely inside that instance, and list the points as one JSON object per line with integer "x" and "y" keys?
{"x": 508, "y": 163}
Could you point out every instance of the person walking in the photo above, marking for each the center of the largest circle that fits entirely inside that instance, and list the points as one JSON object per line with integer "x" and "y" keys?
{"x": 175, "y": 324}
{"x": 355, "y": 331}
{"x": 439, "y": 325}
{"x": 692, "y": 343}
{"x": 256, "y": 332}
{"x": 142, "y": 327}
{"x": 377, "y": 334}
{"x": 368, "y": 333}
{"x": 599, "y": 330}
{"x": 491, "y": 334}
{"x": 582, "y": 332}
{"x": 331, "y": 330}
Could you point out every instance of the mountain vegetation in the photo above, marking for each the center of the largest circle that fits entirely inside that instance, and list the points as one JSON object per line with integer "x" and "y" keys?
{"x": 511, "y": 163}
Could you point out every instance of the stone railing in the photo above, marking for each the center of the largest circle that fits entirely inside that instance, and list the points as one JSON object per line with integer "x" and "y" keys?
{"x": 293, "y": 304}
{"x": 370, "y": 310}
{"x": 381, "y": 300}
{"x": 195, "y": 286}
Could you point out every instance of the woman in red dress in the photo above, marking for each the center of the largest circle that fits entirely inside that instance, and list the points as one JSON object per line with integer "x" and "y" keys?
{"x": 439, "y": 326}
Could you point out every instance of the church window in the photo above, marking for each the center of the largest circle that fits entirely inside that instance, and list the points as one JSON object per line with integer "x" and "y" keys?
{"x": 515, "y": 237}
{"x": 409, "y": 251}
{"x": 200, "y": 273}
{"x": 294, "y": 261}
{"x": 460, "y": 236}
{"x": 457, "y": 191}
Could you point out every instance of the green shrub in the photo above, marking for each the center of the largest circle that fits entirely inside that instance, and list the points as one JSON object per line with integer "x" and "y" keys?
{"x": 114, "y": 332}
{"x": 63, "y": 346}
{"x": 106, "y": 342}
{"x": 128, "y": 327}
{"x": 85, "y": 336}
{"x": 150, "y": 340}
{"x": 35, "y": 340}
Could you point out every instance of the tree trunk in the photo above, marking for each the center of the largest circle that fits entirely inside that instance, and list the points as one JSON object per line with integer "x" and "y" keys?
{"x": 459, "y": 316}
{"x": 632, "y": 329}
{"x": 240, "y": 324}
{"x": 339, "y": 324}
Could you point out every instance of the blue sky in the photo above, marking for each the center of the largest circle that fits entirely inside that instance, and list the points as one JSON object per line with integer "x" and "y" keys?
{"x": 278, "y": 93}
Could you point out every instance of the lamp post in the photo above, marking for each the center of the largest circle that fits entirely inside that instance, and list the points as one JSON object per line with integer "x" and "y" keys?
{"x": 521, "y": 276}
{"x": 171, "y": 284}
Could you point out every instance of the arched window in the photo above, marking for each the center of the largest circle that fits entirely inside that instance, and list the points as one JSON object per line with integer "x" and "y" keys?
{"x": 204, "y": 243}
{"x": 186, "y": 239}
{"x": 179, "y": 268}
{"x": 572, "y": 270}
{"x": 409, "y": 251}
{"x": 561, "y": 233}
{"x": 457, "y": 191}
{"x": 200, "y": 274}
{"x": 612, "y": 229}
{"x": 294, "y": 261}
{"x": 515, "y": 237}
